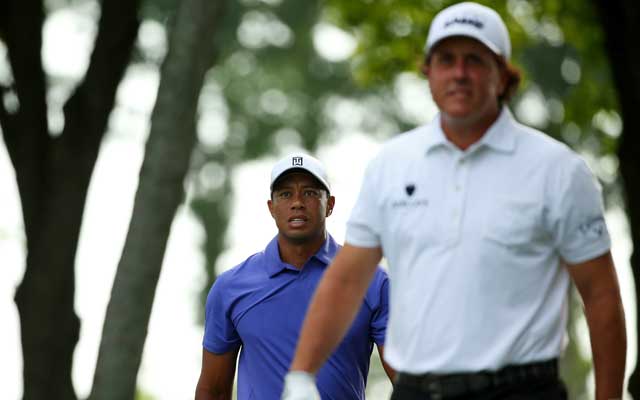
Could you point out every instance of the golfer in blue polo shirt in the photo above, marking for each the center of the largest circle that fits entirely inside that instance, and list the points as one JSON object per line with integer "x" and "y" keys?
{"x": 257, "y": 308}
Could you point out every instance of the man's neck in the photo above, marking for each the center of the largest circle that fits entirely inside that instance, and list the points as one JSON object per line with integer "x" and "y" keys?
{"x": 464, "y": 132}
{"x": 297, "y": 253}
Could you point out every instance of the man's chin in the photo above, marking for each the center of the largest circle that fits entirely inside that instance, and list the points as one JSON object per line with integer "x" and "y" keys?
{"x": 298, "y": 237}
{"x": 458, "y": 112}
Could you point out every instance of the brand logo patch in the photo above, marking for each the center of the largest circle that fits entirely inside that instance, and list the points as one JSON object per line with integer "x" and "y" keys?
{"x": 410, "y": 189}
{"x": 464, "y": 21}
{"x": 412, "y": 203}
{"x": 593, "y": 228}
{"x": 296, "y": 161}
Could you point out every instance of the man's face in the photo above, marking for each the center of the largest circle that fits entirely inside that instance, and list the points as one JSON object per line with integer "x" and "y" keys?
{"x": 465, "y": 79}
{"x": 299, "y": 205}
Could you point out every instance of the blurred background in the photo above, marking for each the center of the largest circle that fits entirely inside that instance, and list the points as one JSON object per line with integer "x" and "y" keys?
{"x": 138, "y": 138}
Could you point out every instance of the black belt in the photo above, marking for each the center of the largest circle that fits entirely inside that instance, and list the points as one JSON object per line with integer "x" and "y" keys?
{"x": 442, "y": 386}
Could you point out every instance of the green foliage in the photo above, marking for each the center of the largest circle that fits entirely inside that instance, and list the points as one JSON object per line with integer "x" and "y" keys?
{"x": 159, "y": 10}
{"x": 270, "y": 76}
{"x": 391, "y": 34}
{"x": 141, "y": 395}
{"x": 575, "y": 366}
{"x": 213, "y": 212}
{"x": 558, "y": 44}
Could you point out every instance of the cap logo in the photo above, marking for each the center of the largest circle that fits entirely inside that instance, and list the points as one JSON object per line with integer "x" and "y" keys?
{"x": 465, "y": 21}
{"x": 296, "y": 161}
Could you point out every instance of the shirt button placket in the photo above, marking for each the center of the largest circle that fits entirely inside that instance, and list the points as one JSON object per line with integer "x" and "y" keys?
{"x": 459, "y": 180}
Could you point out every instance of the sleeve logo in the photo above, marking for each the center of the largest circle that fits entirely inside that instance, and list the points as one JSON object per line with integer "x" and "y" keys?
{"x": 594, "y": 227}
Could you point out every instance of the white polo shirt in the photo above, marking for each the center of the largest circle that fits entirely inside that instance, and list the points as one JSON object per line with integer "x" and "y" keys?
{"x": 474, "y": 240}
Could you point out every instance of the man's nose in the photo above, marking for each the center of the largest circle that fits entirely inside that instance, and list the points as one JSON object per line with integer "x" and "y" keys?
{"x": 460, "y": 68}
{"x": 297, "y": 200}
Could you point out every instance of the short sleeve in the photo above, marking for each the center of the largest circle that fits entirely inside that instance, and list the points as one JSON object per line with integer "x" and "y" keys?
{"x": 380, "y": 315}
{"x": 220, "y": 335}
{"x": 364, "y": 224}
{"x": 576, "y": 213}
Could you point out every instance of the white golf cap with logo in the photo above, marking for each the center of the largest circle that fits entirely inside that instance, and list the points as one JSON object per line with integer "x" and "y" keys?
{"x": 471, "y": 20}
{"x": 303, "y": 162}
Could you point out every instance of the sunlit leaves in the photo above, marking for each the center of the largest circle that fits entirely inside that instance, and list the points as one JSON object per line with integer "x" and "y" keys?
{"x": 558, "y": 44}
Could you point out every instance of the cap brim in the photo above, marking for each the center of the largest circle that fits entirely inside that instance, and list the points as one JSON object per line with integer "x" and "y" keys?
{"x": 464, "y": 33}
{"x": 293, "y": 170}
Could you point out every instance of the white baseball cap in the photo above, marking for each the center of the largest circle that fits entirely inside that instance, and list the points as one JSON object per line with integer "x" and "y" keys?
{"x": 300, "y": 161}
{"x": 471, "y": 20}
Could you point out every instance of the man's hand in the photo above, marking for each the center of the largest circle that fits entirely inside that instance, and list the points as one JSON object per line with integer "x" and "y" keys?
{"x": 299, "y": 385}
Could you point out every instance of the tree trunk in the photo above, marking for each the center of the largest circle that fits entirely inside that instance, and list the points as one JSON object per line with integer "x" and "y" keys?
{"x": 53, "y": 175}
{"x": 160, "y": 191}
{"x": 620, "y": 20}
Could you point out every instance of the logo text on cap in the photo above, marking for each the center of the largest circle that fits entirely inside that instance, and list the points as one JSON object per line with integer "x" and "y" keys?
{"x": 296, "y": 161}
{"x": 464, "y": 21}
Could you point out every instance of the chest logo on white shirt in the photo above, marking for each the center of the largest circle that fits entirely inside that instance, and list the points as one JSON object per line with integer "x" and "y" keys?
{"x": 410, "y": 189}
{"x": 411, "y": 203}
{"x": 408, "y": 201}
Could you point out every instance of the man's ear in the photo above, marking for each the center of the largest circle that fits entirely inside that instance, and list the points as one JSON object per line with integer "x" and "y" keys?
{"x": 504, "y": 76}
{"x": 270, "y": 205}
{"x": 425, "y": 69}
{"x": 504, "y": 81}
{"x": 331, "y": 202}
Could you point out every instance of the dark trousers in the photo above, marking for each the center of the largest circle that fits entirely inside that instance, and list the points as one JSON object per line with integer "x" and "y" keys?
{"x": 546, "y": 389}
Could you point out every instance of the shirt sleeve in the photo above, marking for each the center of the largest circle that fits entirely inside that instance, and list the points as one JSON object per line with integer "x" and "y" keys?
{"x": 576, "y": 213}
{"x": 364, "y": 224}
{"x": 381, "y": 311}
{"x": 220, "y": 335}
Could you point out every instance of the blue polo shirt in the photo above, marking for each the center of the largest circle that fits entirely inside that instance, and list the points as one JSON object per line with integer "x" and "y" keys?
{"x": 260, "y": 305}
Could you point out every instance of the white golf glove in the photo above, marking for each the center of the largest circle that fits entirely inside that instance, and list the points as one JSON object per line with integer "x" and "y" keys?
{"x": 299, "y": 385}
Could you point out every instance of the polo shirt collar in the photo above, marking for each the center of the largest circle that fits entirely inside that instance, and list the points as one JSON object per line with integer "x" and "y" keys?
{"x": 498, "y": 137}
{"x": 327, "y": 252}
{"x": 435, "y": 136}
{"x": 275, "y": 265}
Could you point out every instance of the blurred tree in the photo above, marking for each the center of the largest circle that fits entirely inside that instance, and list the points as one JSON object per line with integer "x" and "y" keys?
{"x": 160, "y": 191}
{"x": 621, "y": 22}
{"x": 53, "y": 171}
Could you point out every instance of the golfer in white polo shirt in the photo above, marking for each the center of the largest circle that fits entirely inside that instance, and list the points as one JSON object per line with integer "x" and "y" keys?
{"x": 484, "y": 223}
